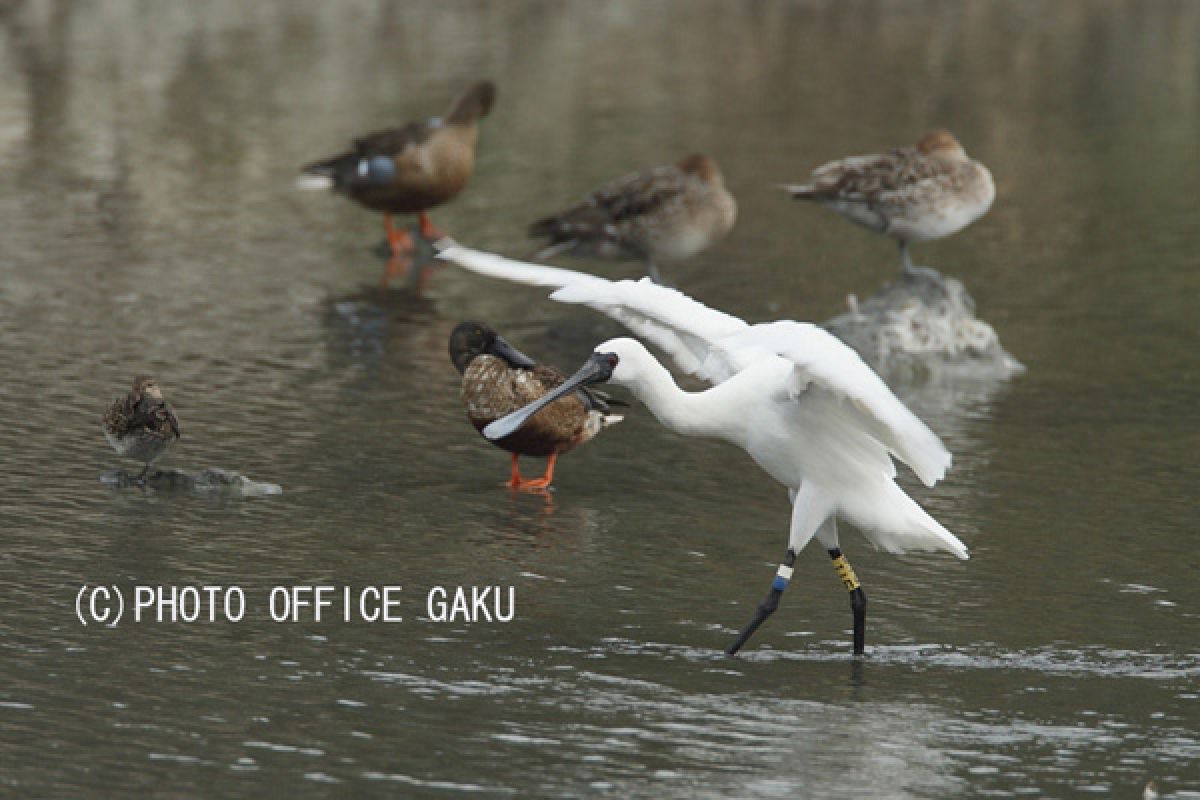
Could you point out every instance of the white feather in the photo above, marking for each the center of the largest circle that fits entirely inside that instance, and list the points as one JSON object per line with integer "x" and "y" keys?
{"x": 311, "y": 182}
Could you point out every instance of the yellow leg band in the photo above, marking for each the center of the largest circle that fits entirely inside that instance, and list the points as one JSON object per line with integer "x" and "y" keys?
{"x": 846, "y": 573}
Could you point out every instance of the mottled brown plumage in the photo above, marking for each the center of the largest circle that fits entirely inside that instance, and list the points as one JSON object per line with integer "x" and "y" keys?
{"x": 912, "y": 194}
{"x": 492, "y": 388}
{"x": 498, "y": 379}
{"x": 660, "y": 214}
{"x": 141, "y": 425}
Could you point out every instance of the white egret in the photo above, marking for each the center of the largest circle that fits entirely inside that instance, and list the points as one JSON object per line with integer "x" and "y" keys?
{"x": 805, "y": 407}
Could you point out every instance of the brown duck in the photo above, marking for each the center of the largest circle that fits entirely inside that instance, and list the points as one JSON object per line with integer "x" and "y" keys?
{"x": 498, "y": 379}
{"x": 409, "y": 170}
{"x": 666, "y": 213}
{"x": 141, "y": 425}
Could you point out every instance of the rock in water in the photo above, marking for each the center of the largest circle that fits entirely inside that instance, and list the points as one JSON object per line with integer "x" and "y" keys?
{"x": 211, "y": 481}
{"x": 923, "y": 321}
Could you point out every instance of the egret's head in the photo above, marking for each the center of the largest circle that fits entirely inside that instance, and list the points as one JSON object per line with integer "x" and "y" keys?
{"x": 627, "y": 355}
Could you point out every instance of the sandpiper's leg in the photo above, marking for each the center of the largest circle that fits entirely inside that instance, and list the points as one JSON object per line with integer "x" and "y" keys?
{"x": 550, "y": 251}
{"x": 514, "y": 482}
{"x": 858, "y": 598}
{"x": 430, "y": 232}
{"x": 652, "y": 271}
{"x": 906, "y": 259}
{"x": 544, "y": 481}
{"x": 771, "y": 602}
{"x": 140, "y": 480}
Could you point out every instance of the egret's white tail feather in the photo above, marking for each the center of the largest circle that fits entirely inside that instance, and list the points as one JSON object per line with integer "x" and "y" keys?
{"x": 893, "y": 521}
{"x": 310, "y": 182}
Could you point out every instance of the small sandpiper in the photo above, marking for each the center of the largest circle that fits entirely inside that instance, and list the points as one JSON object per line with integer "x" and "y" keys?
{"x": 499, "y": 379}
{"x": 912, "y": 194}
{"x": 667, "y": 213}
{"x": 141, "y": 425}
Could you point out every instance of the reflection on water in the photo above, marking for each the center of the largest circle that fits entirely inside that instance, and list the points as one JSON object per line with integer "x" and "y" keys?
{"x": 151, "y": 226}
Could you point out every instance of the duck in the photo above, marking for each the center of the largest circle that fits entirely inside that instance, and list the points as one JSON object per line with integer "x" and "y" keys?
{"x": 912, "y": 194}
{"x": 667, "y": 213}
{"x": 498, "y": 379}
{"x": 409, "y": 170}
{"x": 142, "y": 425}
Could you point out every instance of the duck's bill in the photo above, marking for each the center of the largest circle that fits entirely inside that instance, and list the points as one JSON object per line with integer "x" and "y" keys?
{"x": 512, "y": 355}
{"x": 598, "y": 369}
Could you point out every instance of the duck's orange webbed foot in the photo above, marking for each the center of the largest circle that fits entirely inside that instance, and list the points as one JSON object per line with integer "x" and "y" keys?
{"x": 430, "y": 232}
{"x": 532, "y": 484}
{"x": 543, "y": 482}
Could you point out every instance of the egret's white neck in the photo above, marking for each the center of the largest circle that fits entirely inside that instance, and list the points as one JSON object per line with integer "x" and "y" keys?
{"x": 687, "y": 413}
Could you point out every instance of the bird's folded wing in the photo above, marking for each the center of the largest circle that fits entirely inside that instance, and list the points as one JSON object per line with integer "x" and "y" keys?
{"x": 822, "y": 359}
{"x": 683, "y": 328}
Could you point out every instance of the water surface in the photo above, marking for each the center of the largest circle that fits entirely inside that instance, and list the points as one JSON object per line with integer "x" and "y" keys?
{"x": 151, "y": 225}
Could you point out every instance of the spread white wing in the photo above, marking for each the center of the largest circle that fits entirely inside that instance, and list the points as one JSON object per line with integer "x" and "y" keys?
{"x": 683, "y": 328}
{"x": 821, "y": 359}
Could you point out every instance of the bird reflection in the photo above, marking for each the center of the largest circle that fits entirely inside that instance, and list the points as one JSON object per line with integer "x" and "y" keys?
{"x": 414, "y": 266}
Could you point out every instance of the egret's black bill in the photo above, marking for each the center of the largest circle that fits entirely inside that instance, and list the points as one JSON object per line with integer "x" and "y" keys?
{"x": 598, "y": 369}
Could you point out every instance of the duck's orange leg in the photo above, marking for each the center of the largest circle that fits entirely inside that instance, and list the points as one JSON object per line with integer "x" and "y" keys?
{"x": 544, "y": 481}
{"x": 430, "y": 232}
{"x": 514, "y": 482}
{"x": 399, "y": 239}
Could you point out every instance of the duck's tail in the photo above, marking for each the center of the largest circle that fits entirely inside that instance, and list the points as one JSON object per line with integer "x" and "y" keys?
{"x": 327, "y": 173}
{"x": 314, "y": 181}
{"x": 598, "y": 421}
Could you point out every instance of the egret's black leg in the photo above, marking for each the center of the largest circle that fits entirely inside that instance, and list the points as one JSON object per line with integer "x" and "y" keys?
{"x": 858, "y": 598}
{"x": 771, "y": 602}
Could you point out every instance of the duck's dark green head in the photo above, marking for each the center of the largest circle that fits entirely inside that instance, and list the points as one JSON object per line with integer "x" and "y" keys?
{"x": 470, "y": 339}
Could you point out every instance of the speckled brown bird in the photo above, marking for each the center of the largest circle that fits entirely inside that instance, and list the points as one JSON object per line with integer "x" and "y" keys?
{"x": 141, "y": 425}
{"x": 666, "y": 213}
{"x": 409, "y": 170}
{"x": 498, "y": 379}
{"x": 912, "y": 194}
